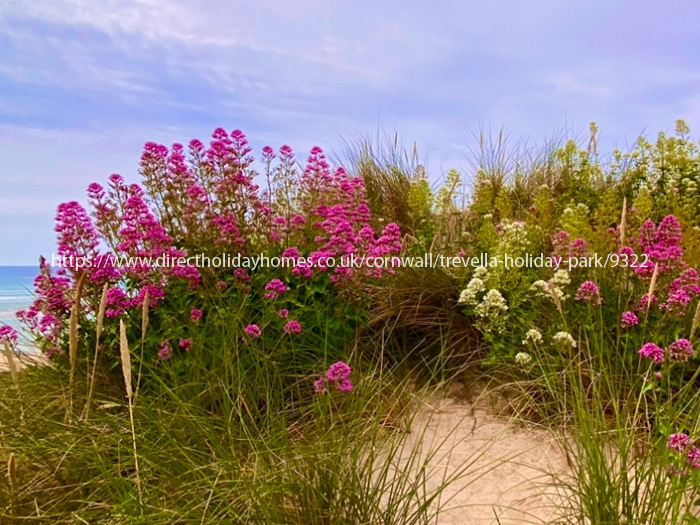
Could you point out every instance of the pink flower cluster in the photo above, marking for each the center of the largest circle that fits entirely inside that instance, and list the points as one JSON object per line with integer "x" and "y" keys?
{"x": 336, "y": 205}
{"x": 629, "y": 319}
{"x": 253, "y": 330}
{"x": 274, "y": 289}
{"x": 563, "y": 248}
{"x": 339, "y": 375}
{"x": 653, "y": 352}
{"x": 292, "y": 327}
{"x": 9, "y": 334}
{"x": 588, "y": 292}
{"x": 682, "y": 290}
{"x": 203, "y": 199}
{"x": 680, "y": 350}
{"x": 166, "y": 351}
{"x": 661, "y": 245}
{"x": 681, "y": 445}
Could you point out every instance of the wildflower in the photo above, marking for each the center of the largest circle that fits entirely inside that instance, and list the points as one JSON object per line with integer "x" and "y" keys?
{"x": 166, "y": 351}
{"x": 253, "y": 330}
{"x": 523, "y": 358}
{"x": 9, "y": 334}
{"x": 564, "y": 340}
{"x": 292, "y": 327}
{"x": 195, "y": 315}
{"x": 629, "y": 319}
{"x": 533, "y": 335}
{"x": 548, "y": 290}
{"x": 541, "y": 288}
{"x": 274, "y": 288}
{"x": 681, "y": 350}
{"x": 186, "y": 344}
{"x": 678, "y": 442}
{"x": 241, "y": 274}
{"x": 491, "y": 311}
{"x": 692, "y": 458}
{"x": 481, "y": 272}
{"x": 677, "y": 302}
{"x": 339, "y": 374}
{"x": 283, "y": 313}
{"x": 561, "y": 278}
{"x": 468, "y": 295}
{"x": 588, "y": 292}
{"x": 653, "y": 352}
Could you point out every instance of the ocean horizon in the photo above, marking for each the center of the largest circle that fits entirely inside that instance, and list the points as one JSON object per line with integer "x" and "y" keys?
{"x": 16, "y": 293}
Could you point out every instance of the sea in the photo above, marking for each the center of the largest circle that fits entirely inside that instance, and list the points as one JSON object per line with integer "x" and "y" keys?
{"x": 16, "y": 293}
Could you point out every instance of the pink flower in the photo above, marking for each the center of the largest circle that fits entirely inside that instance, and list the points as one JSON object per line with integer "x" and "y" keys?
{"x": 283, "y": 313}
{"x": 186, "y": 344}
{"x": 677, "y": 302}
{"x": 338, "y": 374}
{"x": 653, "y": 352}
{"x": 9, "y": 334}
{"x": 588, "y": 292}
{"x": 692, "y": 458}
{"x": 274, "y": 289}
{"x": 344, "y": 385}
{"x": 681, "y": 350}
{"x": 338, "y": 371}
{"x": 292, "y": 327}
{"x": 253, "y": 330}
{"x": 678, "y": 442}
{"x": 629, "y": 319}
{"x": 195, "y": 315}
{"x": 166, "y": 351}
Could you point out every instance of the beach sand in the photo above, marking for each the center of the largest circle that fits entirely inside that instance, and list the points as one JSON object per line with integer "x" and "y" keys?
{"x": 509, "y": 480}
{"x": 21, "y": 360}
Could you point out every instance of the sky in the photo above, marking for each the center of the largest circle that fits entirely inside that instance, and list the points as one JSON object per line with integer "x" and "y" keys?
{"x": 84, "y": 83}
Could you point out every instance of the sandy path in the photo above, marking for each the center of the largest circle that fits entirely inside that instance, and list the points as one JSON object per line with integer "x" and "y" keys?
{"x": 506, "y": 482}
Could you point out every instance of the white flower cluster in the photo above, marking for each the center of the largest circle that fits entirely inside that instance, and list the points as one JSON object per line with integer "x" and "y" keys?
{"x": 569, "y": 213}
{"x": 491, "y": 311}
{"x": 513, "y": 237}
{"x": 481, "y": 272}
{"x": 523, "y": 358}
{"x": 468, "y": 295}
{"x": 561, "y": 278}
{"x": 516, "y": 232}
{"x": 564, "y": 341}
{"x": 533, "y": 335}
{"x": 553, "y": 287}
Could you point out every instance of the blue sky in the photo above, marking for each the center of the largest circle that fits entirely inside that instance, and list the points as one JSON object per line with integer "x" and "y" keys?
{"x": 83, "y": 84}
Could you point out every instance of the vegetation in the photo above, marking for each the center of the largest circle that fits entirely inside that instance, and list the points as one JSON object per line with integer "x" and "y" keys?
{"x": 280, "y": 388}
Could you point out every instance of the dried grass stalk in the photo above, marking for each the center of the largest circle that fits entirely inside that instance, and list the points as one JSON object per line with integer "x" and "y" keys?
{"x": 623, "y": 222}
{"x": 10, "y": 358}
{"x": 696, "y": 322}
{"x": 125, "y": 355}
{"x": 652, "y": 287}
{"x": 125, "y": 358}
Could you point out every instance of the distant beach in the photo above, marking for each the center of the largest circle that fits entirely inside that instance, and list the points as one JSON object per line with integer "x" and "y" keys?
{"x": 16, "y": 293}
